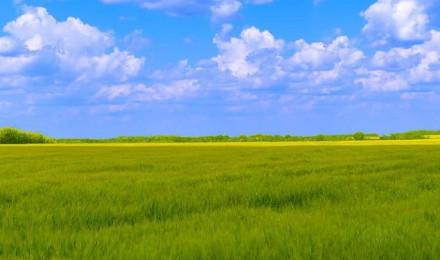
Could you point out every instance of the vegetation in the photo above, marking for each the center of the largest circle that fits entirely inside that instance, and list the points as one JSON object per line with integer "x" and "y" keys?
{"x": 15, "y": 136}
{"x": 359, "y": 136}
{"x": 411, "y": 135}
{"x": 193, "y": 201}
{"x": 218, "y": 139}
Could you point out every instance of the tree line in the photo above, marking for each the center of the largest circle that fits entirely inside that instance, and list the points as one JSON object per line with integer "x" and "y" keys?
{"x": 16, "y": 136}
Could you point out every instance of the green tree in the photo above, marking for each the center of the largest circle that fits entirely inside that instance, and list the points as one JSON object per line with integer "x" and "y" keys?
{"x": 320, "y": 138}
{"x": 359, "y": 136}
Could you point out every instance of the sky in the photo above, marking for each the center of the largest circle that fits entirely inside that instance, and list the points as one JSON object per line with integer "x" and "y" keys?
{"x": 104, "y": 68}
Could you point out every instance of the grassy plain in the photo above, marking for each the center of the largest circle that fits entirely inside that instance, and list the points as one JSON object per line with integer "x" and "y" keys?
{"x": 329, "y": 200}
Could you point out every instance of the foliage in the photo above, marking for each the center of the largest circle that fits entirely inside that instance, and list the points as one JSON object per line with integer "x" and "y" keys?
{"x": 219, "y": 202}
{"x": 359, "y": 136}
{"x": 320, "y": 138}
{"x": 15, "y": 136}
{"x": 411, "y": 135}
{"x": 215, "y": 139}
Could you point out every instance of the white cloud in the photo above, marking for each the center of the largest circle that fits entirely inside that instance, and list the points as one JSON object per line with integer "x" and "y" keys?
{"x": 37, "y": 29}
{"x": 220, "y": 9}
{"x": 70, "y": 47}
{"x": 396, "y": 20}
{"x": 319, "y": 56}
{"x": 225, "y": 9}
{"x": 115, "y": 91}
{"x": 117, "y": 65}
{"x": 175, "y": 90}
{"x": 13, "y": 65}
{"x": 37, "y": 46}
{"x": 43, "y": 60}
{"x": 394, "y": 59}
{"x": 402, "y": 68}
{"x": 383, "y": 81}
{"x": 418, "y": 95}
{"x": 258, "y": 59}
{"x": 236, "y": 53}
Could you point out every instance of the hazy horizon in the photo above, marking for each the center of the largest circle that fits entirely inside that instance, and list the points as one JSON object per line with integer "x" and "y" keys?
{"x": 106, "y": 68}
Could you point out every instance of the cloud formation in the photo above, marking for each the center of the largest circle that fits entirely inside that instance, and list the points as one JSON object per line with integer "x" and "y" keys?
{"x": 396, "y": 20}
{"x": 74, "y": 59}
{"x": 258, "y": 59}
{"x": 236, "y": 53}
{"x": 336, "y": 66}
{"x": 38, "y": 45}
{"x": 158, "y": 92}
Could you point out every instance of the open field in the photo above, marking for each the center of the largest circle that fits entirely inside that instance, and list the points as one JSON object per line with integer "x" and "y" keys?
{"x": 331, "y": 200}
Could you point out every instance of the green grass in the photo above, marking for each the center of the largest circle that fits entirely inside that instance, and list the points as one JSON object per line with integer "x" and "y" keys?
{"x": 220, "y": 202}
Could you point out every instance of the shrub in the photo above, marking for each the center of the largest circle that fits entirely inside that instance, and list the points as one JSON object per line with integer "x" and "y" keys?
{"x": 359, "y": 136}
{"x": 320, "y": 138}
{"x": 15, "y": 136}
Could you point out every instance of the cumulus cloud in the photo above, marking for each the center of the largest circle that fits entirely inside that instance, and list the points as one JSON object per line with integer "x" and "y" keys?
{"x": 239, "y": 55}
{"x": 403, "y": 68}
{"x": 37, "y": 29}
{"x": 396, "y": 20}
{"x": 258, "y": 59}
{"x": 42, "y": 59}
{"x": 324, "y": 67}
{"x": 38, "y": 44}
{"x": 320, "y": 56}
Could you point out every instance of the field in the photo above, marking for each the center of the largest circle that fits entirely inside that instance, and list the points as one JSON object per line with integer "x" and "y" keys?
{"x": 332, "y": 200}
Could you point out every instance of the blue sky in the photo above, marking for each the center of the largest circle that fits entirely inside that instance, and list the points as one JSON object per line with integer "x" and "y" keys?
{"x": 101, "y": 68}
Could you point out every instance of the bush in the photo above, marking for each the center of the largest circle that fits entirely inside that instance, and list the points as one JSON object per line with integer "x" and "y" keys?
{"x": 359, "y": 136}
{"x": 15, "y": 136}
{"x": 320, "y": 138}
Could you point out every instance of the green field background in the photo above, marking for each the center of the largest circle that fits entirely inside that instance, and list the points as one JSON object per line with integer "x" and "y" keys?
{"x": 220, "y": 201}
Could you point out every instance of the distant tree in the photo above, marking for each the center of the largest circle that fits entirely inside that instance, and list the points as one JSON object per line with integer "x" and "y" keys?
{"x": 320, "y": 138}
{"x": 359, "y": 136}
{"x": 242, "y": 138}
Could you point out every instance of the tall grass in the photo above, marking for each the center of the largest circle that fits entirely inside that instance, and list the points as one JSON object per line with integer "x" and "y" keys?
{"x": 214, "y": 202}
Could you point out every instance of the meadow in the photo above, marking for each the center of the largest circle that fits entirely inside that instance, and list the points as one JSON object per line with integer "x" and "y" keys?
{"x": 331, "y": 200}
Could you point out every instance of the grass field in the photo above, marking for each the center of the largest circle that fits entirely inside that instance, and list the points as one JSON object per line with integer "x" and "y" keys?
{"x": 345, "y": 200}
